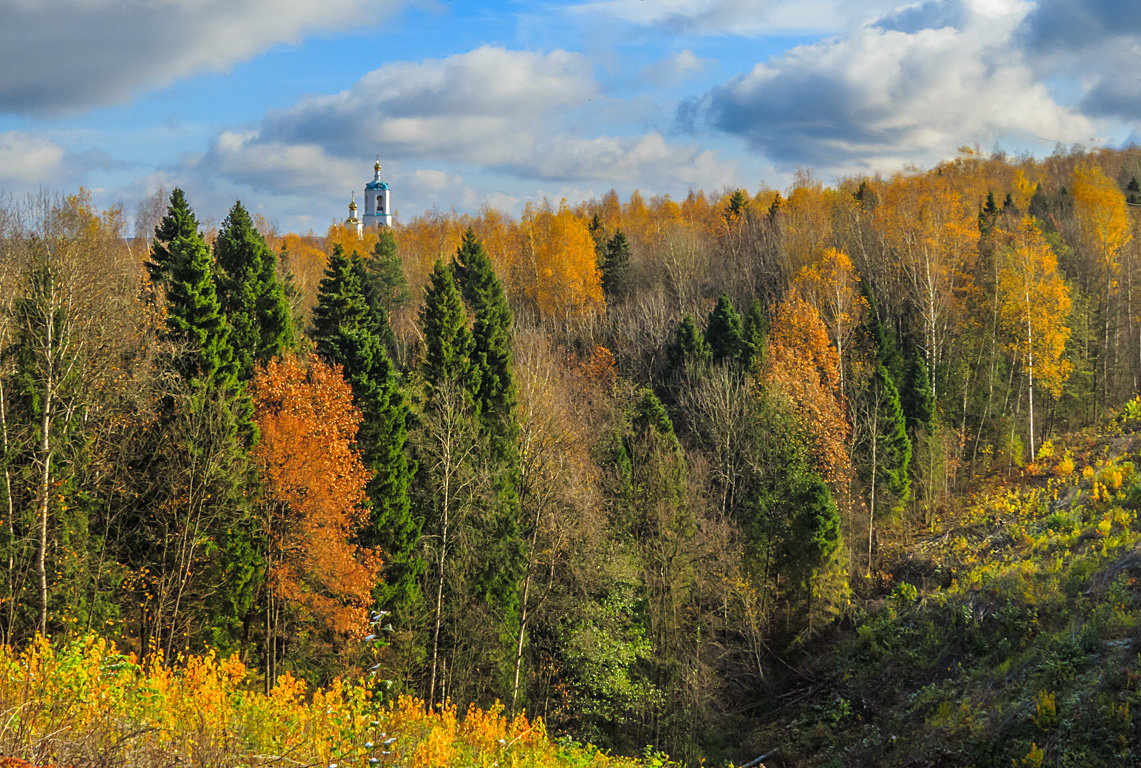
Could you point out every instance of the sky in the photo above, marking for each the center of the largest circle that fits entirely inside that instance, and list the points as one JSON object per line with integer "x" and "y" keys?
{"x": 286, "y": 104}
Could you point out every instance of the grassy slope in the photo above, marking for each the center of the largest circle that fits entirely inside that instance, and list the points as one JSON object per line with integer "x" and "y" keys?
{"x": 1011, "y": 636}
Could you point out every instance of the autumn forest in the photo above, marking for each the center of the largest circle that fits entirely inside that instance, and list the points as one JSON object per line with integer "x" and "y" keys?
{"x": 623, "y": 465}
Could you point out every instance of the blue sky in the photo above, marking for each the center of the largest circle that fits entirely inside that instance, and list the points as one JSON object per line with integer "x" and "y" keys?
{"x": 284, "y": 104}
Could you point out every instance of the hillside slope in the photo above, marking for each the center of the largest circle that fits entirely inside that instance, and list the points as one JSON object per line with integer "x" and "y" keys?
{"x": 1009, "y": 634}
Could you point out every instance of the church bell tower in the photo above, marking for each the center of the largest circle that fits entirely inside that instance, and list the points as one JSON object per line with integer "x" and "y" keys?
{"x": 377, "y": 201}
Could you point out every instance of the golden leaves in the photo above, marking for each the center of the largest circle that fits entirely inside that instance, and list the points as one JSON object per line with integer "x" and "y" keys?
{"x": 1034, "y": 304}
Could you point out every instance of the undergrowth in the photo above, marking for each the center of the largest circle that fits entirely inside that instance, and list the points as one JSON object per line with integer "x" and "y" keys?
{"x": 85, "y": 704}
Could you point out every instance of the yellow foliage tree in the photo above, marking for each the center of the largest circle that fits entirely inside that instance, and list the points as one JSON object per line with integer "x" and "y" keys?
{"x": 934, "y": 231}
{"x": 1104, "y": 226}
{"x": 830, "y": 283}
{"x": 559, "y": 251}
{"x": 1033, "y": 306}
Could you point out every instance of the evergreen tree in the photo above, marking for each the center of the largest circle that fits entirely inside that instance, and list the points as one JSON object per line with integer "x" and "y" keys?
{"x": 735, "y": 208}
{"x": 491, "y": 338}
{"x": 723, "y": 334}
{"x": 195, "y": 320}
{"x": 812, "y": 555}
{"x": 350, "y": 332}
{"x": 384, "y": 285}
{"x": 616, "y": 268}
{"x": 754, "y": 334}
{"x": 598, "y": 235}
{"x": 1133, "y": 191}
{"x": 500, "y": 537}
{"x": 688, "y": 352}
{"x": 988, "y": 212}
{"x": 221, "y": 424}
{"x": 917, "y": 397}
{"x": 884, "y": 344}
{"x": 178, "y": 222}
{"x": 447, "y": 340}
{"x": 250, "y": 293}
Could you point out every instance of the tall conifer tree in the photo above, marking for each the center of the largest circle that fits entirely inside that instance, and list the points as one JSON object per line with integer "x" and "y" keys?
{"x": 250, "y": 293}
{"x": 723, "y": 333}
{"x": 447, "y": 340}
{"x": 350, "y": 332}
{"x": 178, "y": 222}
{"x": 616, "y": 268}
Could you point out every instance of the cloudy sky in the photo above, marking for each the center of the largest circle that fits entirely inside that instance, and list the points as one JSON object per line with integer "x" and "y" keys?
{"x": 285, "y": 103}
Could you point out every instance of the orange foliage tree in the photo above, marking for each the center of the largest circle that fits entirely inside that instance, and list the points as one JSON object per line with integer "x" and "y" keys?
{"x": 806, "y": 367}
{"x": 314, "y": 488}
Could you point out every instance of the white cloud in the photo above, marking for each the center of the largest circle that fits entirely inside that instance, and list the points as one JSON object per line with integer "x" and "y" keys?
{"x": 489, "y": 111}
{"x": 481, "y": 106}
{"x": 909, "y": 88}
{"x": 28, "y": 159}
{"x": 65, "y": 55}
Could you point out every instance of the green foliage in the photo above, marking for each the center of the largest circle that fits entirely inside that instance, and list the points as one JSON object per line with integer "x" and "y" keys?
{"x": 688, "y": 353}
{"x": 383, "y": 283}
{"x": 349, "y": 331}
{"x": 755, "y": 334}
{"x": 616, "y": 268}
{"x": 447, "y": 340}
{"x": 195, "y": 321}
{"x": 884, "y": 449}
{"x": 723, "y": 334}
{"x": 491, "y": 350}
{"x": 179, "y": 222}
{"x": 917, "y": 398}
{"x": 250, "y": 294}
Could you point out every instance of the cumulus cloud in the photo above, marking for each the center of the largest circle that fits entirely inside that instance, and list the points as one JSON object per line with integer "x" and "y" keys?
{"x": 734, "y": 17}
{"x": 480, "y": 106}
{"x": 29, "y": 159}
{"x": 910, "y": 86}
{"x": 491, "y": 110}
{"x": 65, "y": 55}
{"x": 1094, "y": 43}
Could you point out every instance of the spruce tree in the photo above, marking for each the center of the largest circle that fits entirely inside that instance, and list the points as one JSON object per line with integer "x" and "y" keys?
{"x": 918, "y": 399}
{"x": 178, "y": 222}
{"x": 204, "y": 358}
{"x": 755, "y": 334}
{"x": 349, "y": 332}
{"x": 491, "y": 338}
{"x": 723, "y": 334}
{"x": 447, "y": 340}
{"x": 195, "y": 321}
{"x": 500, "y": 538}
{"x": 250, "y": 293}
{"x": 736, "y": 206}
{"x": 384, "y": 285}
{"x": 598, "y": 235}
{"x": 688, "y": 352}
{"x": 883, "y": 340}
{"x": 616, "y": 268}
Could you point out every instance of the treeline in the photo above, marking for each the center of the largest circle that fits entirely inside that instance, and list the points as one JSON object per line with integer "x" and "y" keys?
{"x": 615, "y": 464}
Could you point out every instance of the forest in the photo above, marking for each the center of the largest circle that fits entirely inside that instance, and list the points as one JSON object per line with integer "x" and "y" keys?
{"x": 624, "y": 466}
